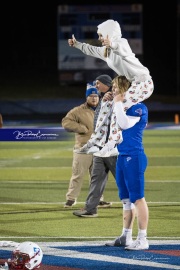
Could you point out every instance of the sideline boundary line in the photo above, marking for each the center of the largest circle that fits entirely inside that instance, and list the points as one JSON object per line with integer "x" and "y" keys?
{"x": 14, "y": 203}
{"x": 163, "y": 238}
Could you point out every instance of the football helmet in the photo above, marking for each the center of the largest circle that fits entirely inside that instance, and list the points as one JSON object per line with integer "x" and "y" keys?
{"x": 26, "y": 256}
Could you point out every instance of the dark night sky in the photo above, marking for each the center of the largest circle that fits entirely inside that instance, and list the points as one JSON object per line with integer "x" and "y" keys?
{"x": 29, "y": 39}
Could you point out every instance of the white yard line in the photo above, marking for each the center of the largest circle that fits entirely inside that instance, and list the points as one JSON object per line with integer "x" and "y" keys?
{"x": 57, "y": 203}
{"x": 65, "y": 181}
{"x": 166, "y": 240}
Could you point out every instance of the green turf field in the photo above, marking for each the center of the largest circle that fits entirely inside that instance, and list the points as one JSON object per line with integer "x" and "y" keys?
{"x": 34, "y": 178}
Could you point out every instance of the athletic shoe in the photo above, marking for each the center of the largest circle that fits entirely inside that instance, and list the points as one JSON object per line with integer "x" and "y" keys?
{"x": 69, "y": 203}
{"x": 103, "y": 204}
{"x": 84, "y": 213}
{"x": 93, "y": 150}
{"x": 138, "y": 244}
{"x": 119, "y": 242}
{"x": 109, "y": 153}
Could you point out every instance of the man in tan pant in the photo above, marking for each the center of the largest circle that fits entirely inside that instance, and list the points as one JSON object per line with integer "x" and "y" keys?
{"x": 80, "y": 121}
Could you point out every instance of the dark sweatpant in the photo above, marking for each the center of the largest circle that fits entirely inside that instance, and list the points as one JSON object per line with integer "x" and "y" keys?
{"x": 99, "y": 177}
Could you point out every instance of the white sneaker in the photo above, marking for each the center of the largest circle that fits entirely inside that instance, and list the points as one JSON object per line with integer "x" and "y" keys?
{"x": 93, "y": 149}
{"x": 110, "y": 153}
{"x": 138, "y": 244}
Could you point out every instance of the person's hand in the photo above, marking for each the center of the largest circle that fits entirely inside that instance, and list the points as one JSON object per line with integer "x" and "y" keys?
{"x": 108, "y": 96}
{"x": 107, "y": 42}
{"x": 72, "y": 41}
{"x": 119, "y": 97}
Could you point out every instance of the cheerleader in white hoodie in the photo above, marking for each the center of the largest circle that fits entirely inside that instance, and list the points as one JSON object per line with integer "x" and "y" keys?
{"x": 116, "y": 52}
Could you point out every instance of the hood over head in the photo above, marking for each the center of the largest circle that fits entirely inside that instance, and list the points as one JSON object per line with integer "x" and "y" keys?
{"x": 109, "y": 28}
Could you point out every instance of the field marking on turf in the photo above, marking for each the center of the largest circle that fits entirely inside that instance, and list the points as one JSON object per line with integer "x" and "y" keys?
{"x": 104, "y": 258}
{"x": 57, "y": 249}
{"x": 70, "y": 167}
{"x": 163, "y": 181}
{"x": 99, "y": 257}
{"x": 163, "y": 238}
{"x": 170, "y": 166}
{"x": 40, "y": 155}
{"x": 162, "y": 156}
{"x": 80, "y": 243}
{"x": 65, "y": 181}
{"x": 80, "y": 203}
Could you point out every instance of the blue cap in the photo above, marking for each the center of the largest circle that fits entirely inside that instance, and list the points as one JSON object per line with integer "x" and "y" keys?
{"x": 91, "y": 90}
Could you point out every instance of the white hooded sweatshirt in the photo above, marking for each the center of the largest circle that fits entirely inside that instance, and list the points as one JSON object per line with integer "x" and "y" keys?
{"x": 123, "y": 61}
{"x": 120, "y": 57}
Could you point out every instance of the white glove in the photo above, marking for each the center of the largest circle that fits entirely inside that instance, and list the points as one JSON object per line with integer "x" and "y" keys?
{"x": 86, "y": 146}
{"x": 110, "y": 145}
{"x": 107, "y": 147}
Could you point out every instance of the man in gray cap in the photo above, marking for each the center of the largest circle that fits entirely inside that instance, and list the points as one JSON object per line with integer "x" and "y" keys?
{"x": 106, "y": 81}
{"x": 101, "y": 165}
{"x": 96, "y": 142}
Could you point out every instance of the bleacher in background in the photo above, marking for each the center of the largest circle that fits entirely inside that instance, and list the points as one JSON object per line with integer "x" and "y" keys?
{"x": 54, "y": 109}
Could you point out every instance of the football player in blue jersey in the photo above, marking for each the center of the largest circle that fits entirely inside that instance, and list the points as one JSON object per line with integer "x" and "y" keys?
{"x": 130, "y": 169}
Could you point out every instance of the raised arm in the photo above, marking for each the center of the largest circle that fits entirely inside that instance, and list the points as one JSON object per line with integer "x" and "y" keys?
{"x": 87, "y": 49}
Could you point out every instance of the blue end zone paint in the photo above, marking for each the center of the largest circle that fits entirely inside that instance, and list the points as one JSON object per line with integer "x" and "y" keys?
{"x": 4, "y": 254}
{"x": 84, "y": 260}
{"x": 93, "y": 264}
{"x": 135, "y": 255}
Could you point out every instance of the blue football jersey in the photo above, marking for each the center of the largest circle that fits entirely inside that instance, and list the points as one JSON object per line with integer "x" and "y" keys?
{"x": 133, "y": 137}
